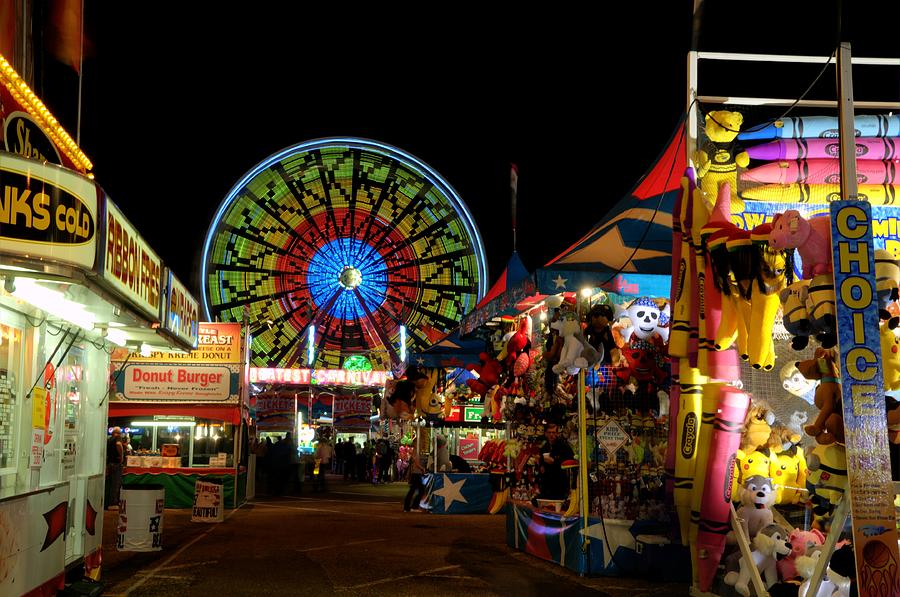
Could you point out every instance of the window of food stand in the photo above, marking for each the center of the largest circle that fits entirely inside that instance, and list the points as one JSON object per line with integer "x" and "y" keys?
{"x": 197, "y": 440}
{"x": 11, "y": 359}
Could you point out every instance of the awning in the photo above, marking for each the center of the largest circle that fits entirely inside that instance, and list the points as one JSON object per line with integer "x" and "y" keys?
{"x": 229, "y": 414}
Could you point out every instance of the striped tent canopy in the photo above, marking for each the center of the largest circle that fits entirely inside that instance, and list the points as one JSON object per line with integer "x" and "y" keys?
{"x": 630, "y": 251}
{"x": 450, "y": 351}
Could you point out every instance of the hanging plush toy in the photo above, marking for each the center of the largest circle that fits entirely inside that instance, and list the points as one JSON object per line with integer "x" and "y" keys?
{"x": 769, "y": 546}
{"x": 890, "y": 355}
{"x": 718, "y": 158}
{"x": 811, "y": 238}
{"x": 820, "y": 304}
{"x": 775, "y": 272}
{"x": 795, "y": 315}
{"x": 887, "y": 280}
{"x": 829, "y": 424}
{"x": 488, "y": 374}
{"x": 827, "y": 477}
{"x": 570, "y": 359}
{"x": 802, "y": 544}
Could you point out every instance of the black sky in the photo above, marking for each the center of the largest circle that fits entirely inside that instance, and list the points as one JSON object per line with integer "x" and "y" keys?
{"x": 181, "y": 100}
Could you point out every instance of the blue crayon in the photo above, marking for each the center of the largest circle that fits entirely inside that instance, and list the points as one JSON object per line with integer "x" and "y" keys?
{"x": 825, "y": 127}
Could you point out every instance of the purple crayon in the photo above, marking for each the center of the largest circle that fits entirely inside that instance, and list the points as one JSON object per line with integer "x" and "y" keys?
{"x": 821, "y": 171}
{"x": 715, "y": 505}
{"x": 867, "y": 148}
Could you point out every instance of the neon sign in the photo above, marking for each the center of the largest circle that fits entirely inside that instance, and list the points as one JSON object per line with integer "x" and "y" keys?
{"x": 317, "y": 377}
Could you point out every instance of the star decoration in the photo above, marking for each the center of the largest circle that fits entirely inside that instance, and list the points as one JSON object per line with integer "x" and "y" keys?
{"x": 420, "y": 361}
{"x": 56, "y": 523}
{"x": 451, "y": 492}
{"x": 560, "y": 281}
{"x": 90, "y": 519}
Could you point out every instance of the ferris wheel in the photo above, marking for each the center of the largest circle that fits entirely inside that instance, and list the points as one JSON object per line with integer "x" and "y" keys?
{"x": 339, "y": 248}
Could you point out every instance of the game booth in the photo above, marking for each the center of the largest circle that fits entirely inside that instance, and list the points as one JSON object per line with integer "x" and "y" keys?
{"x": 185, "y": 415}
{"x": 783, "y": 341}
{"x": 78, "y": 282}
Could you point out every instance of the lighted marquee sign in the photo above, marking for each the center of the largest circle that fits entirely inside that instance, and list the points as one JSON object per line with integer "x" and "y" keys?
{"x": 173, "y": 382}
{"x": 129, "y": 264}
{"x": 182, "y": 311}
{"x": 318, "y": 377}
{"x": 47, "y": 212}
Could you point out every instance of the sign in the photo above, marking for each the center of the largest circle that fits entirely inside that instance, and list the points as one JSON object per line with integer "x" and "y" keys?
{"x": 318, "y": 377}
{"x": 473, "y": 414}
{"x": 468, "y": 448}
{"x": 612, "y": 437}
{"x": 275, "y": 412}
{"x": 139, "y": 381}
{"x": 862, "y": 389}
{"x": 37, "y": 448}
{"x": 182, "y": 311}
{"x": 129, "y": 265}
{"x": 23, "y": 136}
{"x": 38, "y": 408}
{"x": 217, "y": 343}
{"x": 455, "y": 414}
{"x": 352, "y": 412}
{"x": 47, "y": 212}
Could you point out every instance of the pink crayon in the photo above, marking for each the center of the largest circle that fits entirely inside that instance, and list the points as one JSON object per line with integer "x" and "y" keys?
{"x": 716, "y": 501}
{"x": 867, "y": 148}
{"x": 821, "y": 171}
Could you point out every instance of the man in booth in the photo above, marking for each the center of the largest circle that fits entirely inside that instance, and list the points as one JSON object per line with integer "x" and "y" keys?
{"x": 554, "y": 484}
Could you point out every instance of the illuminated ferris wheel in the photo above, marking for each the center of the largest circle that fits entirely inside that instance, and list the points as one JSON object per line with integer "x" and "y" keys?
{"x": 337, "y": 247}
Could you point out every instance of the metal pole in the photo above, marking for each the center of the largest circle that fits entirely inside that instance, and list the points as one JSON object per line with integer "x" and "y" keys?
{"x": 846, "y": 125}
{"x": 583, "y": 464}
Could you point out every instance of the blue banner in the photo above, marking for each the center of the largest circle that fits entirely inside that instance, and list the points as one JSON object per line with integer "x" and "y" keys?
{"x": 551, "y": 280}
{"x": 460, "y": 493}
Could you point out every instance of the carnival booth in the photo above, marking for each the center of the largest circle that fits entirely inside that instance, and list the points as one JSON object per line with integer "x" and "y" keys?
{"x": 76, "y": 283}
{"x": 185, "y": 414}
{"x": 785, "y": 415}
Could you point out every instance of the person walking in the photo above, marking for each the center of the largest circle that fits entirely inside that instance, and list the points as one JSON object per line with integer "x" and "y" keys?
{"x": 115, "y": 458}
{"x": 349, "y": 460}
{"x": 324, "y": 454}
{"x": 416, "y": 484}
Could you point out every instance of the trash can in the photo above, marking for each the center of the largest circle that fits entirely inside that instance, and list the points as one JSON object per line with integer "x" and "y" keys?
{"x": 209, "y": 497}
{"x": 141, "y": 517}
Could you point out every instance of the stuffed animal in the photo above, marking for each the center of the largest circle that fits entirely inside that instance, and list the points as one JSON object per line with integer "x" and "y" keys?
{"x": 493, "y": 404}
{"x": 769, "y": 545}
{"x": 641, "y": 364}
{"x": 570, "y": 359}
{"x": 757, "y": 428}
{"x": 775, "y": 272}
{"x": 757, "y": 498}
{"x": 811, "y": 238}
{"x": 842, "y": 572}
{"x": 646, "y": 319}
{"x": 427, "y": 402}
{"x": 517, "y": 343}
{"x": 806, "y": 566}
{"x": 746, "y": 465}
{"x": 794, "y": 382}
{"x": 890, "y": 355}
{"x": 795, "y": 315}
{"x": 829, "y": 424}
{"x": 820, "y": 304}
{"x": 399, "y": 396}
{"x": 718, "y": 158}
{"x": 802, "y": 544}
{"x": 887, "y": 280}
{"x": 488, "y": 374}
{"x": 789, "y": 474}
{"x": 827, "y": 477}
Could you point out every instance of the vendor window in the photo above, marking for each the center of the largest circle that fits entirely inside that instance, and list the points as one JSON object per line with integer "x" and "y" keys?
{"x": 199, "y": 442}
{"x": 10, "y": 361}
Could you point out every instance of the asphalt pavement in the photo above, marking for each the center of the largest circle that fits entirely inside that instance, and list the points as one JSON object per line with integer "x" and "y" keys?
{"x": 352, "y": 540}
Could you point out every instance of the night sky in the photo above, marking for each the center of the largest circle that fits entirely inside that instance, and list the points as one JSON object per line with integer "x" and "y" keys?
{"x": 179, "y": 103}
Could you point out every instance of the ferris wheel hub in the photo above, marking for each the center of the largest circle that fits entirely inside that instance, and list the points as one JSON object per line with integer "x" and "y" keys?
{"x": 350, "y": 277}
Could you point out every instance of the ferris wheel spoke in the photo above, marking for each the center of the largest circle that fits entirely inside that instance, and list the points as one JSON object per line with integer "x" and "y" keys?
{"x": 380, "y": 332}
{"x": 263, "y": 203}
{"x": 291, "y": 184}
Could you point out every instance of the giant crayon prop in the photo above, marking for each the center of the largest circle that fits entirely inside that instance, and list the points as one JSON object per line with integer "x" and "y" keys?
{"x": 823, "y": 126}
{"x": 716, "y": 501}
{"x": 674, "y": 407}
{"x": 876, "y": 194}
{"x": 682, "y": 264}
{"x": 867, "y": 148}
{"x": 710, "y": 403}
{"x": 821, "y": 171}
{"x": 700, "y": 215}
{"x": 688, "y": 422}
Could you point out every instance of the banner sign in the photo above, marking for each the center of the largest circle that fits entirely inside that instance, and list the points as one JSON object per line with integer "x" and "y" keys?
{"x": 554, "y": 281}
{"x": 47, "y": 212}
{"x": 472, "y": 414}
{"x": 862, "y": 389}
{"x": 455, "y": 414}
{"x": 318, "y": 377}
{"x": 182, "y": 311}
{"x": 350, "y": 411}
{"x": 498, "y": 306}
{"x": 37, "y": 448}
{"x": 129, "y": 264}
{"x": 139, "y": 381}
{"x": 275, "y": 412}
{"x": 468, "y": 448}
{"x": 217, "y": 343}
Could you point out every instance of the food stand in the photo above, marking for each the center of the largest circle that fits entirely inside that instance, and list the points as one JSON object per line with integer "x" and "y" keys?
{"x": 73, "y": 288}
{"x": 184, "y": 415}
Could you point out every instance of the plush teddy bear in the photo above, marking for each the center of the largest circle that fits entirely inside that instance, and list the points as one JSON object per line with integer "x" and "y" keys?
{"x": 488, "y": 374}
{"x": 718, "y": 158}
{"x": 811, "y": 238}
{"x": 757, "y": 428}
{"x": 802, "y": 544}
{"x": 829, "y": 424}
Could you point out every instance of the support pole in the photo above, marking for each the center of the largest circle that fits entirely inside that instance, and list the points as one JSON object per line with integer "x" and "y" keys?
{"x": 846, "y": 125}
{"x": 583, "y": 458}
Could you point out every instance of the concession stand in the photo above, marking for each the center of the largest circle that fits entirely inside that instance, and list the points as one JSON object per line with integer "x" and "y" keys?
{"x": 185, "y": 416}
{"x": 74, "y": 286}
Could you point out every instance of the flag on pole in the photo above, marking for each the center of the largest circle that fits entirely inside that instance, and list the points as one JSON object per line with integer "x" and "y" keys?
{"x": 66, "y": 41}
{"x": 514, "y": 190}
